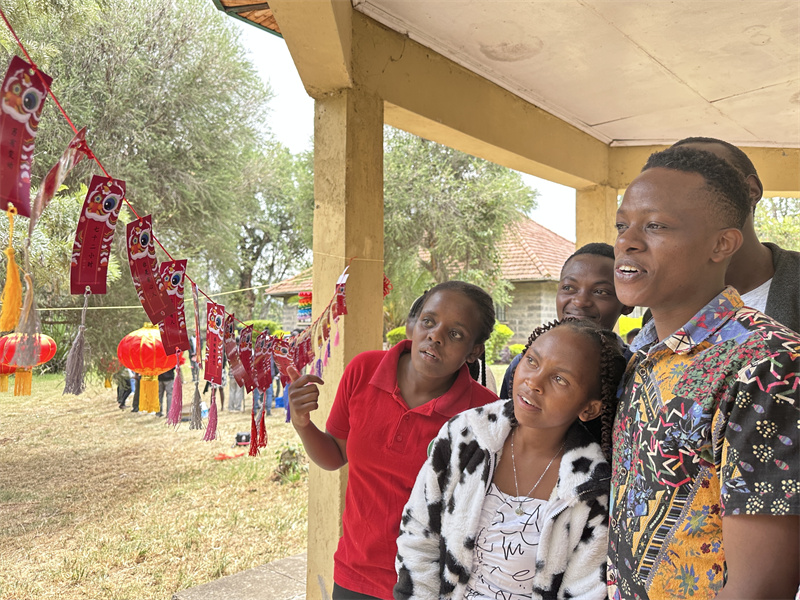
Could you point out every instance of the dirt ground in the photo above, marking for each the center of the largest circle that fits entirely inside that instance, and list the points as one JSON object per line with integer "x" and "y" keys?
{"x": 98, "y": 503}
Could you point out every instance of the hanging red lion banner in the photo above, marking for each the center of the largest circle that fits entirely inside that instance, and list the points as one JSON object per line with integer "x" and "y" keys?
{"x": 74, "y": 153}
{"x": 232, "y": 351}
{"x": 174, "y": 335}
{"x": 94, "y": 235}
{"x": 246, "y": 356}
{"x": 144, "y": 271}
{"x": 215, "y": 317}
{"x": 23, "y": 95}
{"x": 262, "y": 363}
{"x": 282, "y": 352}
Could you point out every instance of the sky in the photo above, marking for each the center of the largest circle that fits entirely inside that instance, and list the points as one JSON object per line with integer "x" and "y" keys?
{"x": 292, "y": 123}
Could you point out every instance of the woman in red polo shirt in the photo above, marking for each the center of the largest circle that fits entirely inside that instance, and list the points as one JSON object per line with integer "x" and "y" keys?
{"x": 388, "y": 408}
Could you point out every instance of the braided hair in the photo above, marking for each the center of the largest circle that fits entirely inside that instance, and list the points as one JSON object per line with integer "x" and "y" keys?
{"x": 612, "y": 367}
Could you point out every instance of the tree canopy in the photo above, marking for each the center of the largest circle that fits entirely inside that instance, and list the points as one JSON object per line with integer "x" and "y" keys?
{"x": 173, "y": 107}
{"x": 444, "y": 213}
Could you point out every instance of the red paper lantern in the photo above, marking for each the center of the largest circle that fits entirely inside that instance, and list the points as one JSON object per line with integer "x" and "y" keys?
{"x": 5, "y": 371}
{"x": 143, "y": 352}
{"x": 23, "y": 377}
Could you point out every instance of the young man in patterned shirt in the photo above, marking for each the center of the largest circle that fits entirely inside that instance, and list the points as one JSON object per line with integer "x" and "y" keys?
{"x": 706, "y": 472}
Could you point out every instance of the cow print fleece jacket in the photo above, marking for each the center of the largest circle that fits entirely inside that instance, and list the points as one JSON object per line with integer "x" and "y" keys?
{"x": 441, "y": 518}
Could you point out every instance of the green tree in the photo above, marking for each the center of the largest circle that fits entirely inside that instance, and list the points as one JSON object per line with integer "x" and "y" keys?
{"x": 174, "y": 108}
{"x": 444, "y": 211}
{"x": 778, "y": 220}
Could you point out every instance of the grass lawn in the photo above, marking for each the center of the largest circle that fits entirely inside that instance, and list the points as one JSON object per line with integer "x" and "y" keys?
{"x": 99, "y": 503}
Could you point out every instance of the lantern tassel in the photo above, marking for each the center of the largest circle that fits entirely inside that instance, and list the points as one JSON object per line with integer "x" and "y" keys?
{"x": 12, "y": 292}
{"x": 3, "y": 382}
{"x": 148, "y": 397}
{"x": 197, "y": 412}
{"x": 27, "y": 350}
{"x": 211, "y": 430}
{"x": 262, "y": 429}
{"x": 175, "y": 409}
{"x": 75, "y": 383}
{"x": 22, "y": 382}
{"x": 253, "y": 433}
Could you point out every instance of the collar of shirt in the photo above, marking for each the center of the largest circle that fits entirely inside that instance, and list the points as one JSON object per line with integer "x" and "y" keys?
{"x": 701, "y": 326}
{"x": 449, "y": 404}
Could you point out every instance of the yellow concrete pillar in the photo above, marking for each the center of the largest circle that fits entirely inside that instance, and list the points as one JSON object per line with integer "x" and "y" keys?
{"x": 595, "y": 210}
{"x": 348, "y": 228}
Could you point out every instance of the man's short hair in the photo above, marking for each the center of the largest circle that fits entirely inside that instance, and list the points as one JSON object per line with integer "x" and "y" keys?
{"x": 723, "y": 180}
{"x": 596, "y": 248}
{"x": 738, "y": 158}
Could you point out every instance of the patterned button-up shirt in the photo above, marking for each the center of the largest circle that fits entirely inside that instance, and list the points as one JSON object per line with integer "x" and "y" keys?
{"x": 708, "y": 425}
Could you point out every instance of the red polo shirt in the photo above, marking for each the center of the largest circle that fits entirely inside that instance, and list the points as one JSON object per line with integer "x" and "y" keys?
{"x": 387, "y": 444}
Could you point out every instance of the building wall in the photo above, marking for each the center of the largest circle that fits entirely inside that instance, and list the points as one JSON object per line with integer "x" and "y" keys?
{"x": 288, "y": 316}
{"x": 533, "y": 303}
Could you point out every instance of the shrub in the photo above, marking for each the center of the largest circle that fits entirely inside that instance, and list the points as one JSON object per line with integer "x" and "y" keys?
{"x": 395, "y": 335}
{"x": 515, "y": 349}
{"x": 497, "y": 341}
{"x": 260, "y": 325}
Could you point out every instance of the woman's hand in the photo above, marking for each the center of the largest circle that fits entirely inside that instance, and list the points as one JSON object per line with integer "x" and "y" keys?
{"x": 303, "y": 397}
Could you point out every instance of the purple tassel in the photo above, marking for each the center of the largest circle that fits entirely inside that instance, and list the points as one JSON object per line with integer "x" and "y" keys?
{"x": 175, "y": 409}
{"x": 74, "y": 382}
{"x": 211, "y": 429}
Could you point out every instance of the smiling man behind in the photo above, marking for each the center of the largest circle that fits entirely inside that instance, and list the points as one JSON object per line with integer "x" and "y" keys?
{"x": 706, "y": 472}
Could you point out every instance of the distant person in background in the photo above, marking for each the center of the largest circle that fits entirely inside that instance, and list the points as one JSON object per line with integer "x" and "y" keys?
{"x": 193, "y": 359}
{"x": 632, "y": 334}
{"x": 165, "y": 383}
{"x": 135, "y": 381}
{"x": 123, "y": 387}
{"x": 585, "y": 292}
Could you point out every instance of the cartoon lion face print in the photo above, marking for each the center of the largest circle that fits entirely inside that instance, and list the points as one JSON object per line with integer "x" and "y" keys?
{"x": 139, "y": 241}
{"x": 21, "y": 100}
{"x": 173, "y": 279}
{"x": 103, "y": 203}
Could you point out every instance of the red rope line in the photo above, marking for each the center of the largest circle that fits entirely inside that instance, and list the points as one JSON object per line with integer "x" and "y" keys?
{"x": 85, "y": 146}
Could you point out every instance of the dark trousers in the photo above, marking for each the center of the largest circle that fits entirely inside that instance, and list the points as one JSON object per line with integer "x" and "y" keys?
{"x": 340, "y": 593}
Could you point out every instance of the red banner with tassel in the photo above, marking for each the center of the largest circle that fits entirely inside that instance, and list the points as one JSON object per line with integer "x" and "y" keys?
{"x": 23, "y": 96}
{"x": 95, "y": 234}
{"x": 144, "y": 270}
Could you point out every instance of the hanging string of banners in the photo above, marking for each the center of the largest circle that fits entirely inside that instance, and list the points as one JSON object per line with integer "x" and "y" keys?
{"x": 159, "y": 287}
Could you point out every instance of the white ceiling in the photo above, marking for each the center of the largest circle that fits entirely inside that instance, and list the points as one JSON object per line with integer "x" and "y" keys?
{"x": 628, "y": 72}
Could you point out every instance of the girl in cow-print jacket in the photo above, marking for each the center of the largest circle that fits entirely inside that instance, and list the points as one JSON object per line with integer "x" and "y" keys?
{"x": 459, "y": 537}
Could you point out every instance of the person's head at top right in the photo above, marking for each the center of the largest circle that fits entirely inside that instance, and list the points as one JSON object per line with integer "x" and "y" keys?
{"x": 678, "y": 226}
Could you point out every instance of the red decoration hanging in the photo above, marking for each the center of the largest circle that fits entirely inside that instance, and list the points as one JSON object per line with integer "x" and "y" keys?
{"x": 215, "y": 316}
{"x": 8, "y": 347}
{"x": 94, "y": 235}
{"x": 142, "y": 351}
{"x": 232, "y": 350}
{"x": 262, "y": 365}
{"x": 144, "y": 271}
{"x": 282, "y": 353}
{"x": 174, "y": 335}
{"x": 246, "y": 356}
{"x": 74, "y": 153}
{"x": 23, "y": 95}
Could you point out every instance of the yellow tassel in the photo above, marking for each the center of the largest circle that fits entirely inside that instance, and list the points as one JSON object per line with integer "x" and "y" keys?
{"x": 148, "y": 397}
{"x": 12, "y": 292}
{"x": 3, "y": 383}
{"x": 22, "y": 382}
{"x": 107, "y": 382}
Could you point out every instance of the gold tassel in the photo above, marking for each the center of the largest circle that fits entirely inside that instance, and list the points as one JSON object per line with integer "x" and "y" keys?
{"x": 12, "y": 292}
{"x": 3, "y": 382}
{"x": 107, "y": 382}
{"x": 148, "y": 397}
{"x": 22, "y": 382}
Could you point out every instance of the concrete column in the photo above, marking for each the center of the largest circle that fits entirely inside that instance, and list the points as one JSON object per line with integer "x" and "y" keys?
{"x": 348, "y": 224}
{"x": 595, "y": 211}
